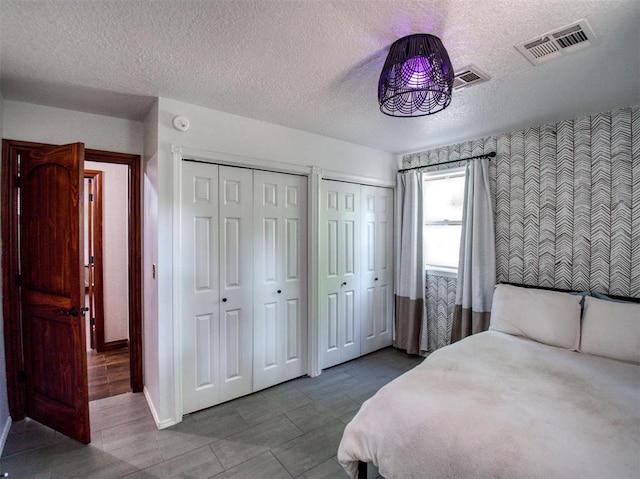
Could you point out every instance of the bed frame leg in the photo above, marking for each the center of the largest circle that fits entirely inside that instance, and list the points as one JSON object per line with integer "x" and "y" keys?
{"x": 362, "y": 470}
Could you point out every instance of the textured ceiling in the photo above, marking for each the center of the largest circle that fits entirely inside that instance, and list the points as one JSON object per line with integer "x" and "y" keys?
{"x": 314, "y": 64}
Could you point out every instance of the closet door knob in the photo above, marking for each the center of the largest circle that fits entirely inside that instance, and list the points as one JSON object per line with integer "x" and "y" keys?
{"x": 224, "y": 300}
{"x": 375, "y": 279}
{"x": 344, "y": 284}
{"x": 279, "y": 291}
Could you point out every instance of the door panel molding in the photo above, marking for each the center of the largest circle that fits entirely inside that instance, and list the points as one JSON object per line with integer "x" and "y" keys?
{"x": 11, "y": 149}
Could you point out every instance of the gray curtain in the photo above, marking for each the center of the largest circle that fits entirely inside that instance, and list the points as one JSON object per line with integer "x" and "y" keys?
{"x": 477, "y": 266}
{"x": 411, "y": 320}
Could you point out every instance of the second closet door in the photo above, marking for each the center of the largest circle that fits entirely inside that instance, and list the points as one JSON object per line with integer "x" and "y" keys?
{"x": 280, "y": 278}
{"x": 235, "y": 202}
{"x": 339, "y": 272}
{"x": 377, "y": 267}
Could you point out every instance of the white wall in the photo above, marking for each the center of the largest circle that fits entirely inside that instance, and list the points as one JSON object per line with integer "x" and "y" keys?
{"x": 232, "y": 134}
{"x": 44, "y": 124}
{"x": 150, "y": 257}
{"x": 115, "y": 235}
{"x": 215, "y": 131}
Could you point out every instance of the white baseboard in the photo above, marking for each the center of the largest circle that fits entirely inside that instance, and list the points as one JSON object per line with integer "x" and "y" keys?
{"x": 5, "y": 433}
{"x": 159, "y": 424}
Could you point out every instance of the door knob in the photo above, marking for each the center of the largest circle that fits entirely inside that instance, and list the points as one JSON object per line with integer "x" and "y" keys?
{"x": 69, "y": 312}
{"x": 279, "y": 291}
{"x": 224, "y": 300}
{"x": 375, "y": 279}
{"x": 344, "y": 283}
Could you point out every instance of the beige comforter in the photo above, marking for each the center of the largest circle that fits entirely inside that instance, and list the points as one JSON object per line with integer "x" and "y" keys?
{"x": 500, "y": 406}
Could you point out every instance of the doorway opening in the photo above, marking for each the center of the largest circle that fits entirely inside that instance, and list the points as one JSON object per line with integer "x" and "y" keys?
{"x": 106, "y": 273}
{"x": 12, "y": 152}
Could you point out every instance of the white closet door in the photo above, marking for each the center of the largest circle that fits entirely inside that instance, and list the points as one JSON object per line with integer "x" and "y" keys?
{"x": 236, "y": 268}
{"x": 199, "y": 285}
{"x": 339, "y": 272}
{"x": 377, "y": 267}
{"x": 280, "y": 285}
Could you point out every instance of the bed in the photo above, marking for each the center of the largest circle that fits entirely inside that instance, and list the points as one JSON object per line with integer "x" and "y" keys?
{"x": 552, "y": 390}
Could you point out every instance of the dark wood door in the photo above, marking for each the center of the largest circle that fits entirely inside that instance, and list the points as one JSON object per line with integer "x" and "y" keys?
{"x": 52, "y": 270}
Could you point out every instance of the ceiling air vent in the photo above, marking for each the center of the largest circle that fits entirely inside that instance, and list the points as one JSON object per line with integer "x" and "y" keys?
{"x": 468, "y": 76}
{"x": 562, "y": 41}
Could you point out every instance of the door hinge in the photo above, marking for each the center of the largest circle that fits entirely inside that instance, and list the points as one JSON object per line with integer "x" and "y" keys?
{"x": 22, "y": 376}
{"x": 90, "y": 196}
{"x": 92, "y": 321}
{"x": 18, "y": 280}
{"x": 91, "y": 259}
{"x": 18, "y": 181}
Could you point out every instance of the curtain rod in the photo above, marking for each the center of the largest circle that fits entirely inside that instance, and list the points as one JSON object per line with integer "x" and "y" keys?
{"x": 488, "y": 155}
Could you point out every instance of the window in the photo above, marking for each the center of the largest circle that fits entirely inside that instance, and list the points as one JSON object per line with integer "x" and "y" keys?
{"x": 443, "y": 202}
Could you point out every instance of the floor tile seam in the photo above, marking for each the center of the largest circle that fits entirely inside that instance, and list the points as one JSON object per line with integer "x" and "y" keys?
{"x": 100, "y": 440}
{"x": 329, "y": 384}
{"x": 200, "y": 424}
{"x": 208, "y": 442}
{"x": 142, "y": 410}
{"x": 116, "y": 406}
{"x": 111, "y": 426}
{"x": 300, "y": 433}
{"x": 273, "y": 398}
{"x": 283, "y": 466}
{"x": 283, "y": 449}
{"x": 289, "y": 417}
{"x": 326, "y": 412}
{"x": 109, "y": 450}
{"x": 264, "y": 422}
{"x": 268, "y": 448}
{"x": 225, "y": 469}
{"x": 27, "y": 451}
{"x": 210, "y": 446}
{"x": 261, "y": 421}
{"x": 314, "y": 428}
{"x": 114, "y": 451}
{"x": 302, "y": 392}
{"x": 284, "y": 445}
{"x": 190, "y": 451}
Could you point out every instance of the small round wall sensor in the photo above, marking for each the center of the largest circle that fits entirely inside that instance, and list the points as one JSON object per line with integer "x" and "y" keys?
{"x": 181, "y": 123}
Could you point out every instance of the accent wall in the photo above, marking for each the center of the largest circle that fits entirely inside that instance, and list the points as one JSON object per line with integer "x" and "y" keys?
{"x": 566, "y": 203}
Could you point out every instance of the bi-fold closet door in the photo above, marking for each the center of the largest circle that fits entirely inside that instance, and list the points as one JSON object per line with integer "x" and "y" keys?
{"x": 377, "y": 268}
{"x": 356, "y": 270}
{"x": 243, "y": 239}
{"x": 280, "y": 278}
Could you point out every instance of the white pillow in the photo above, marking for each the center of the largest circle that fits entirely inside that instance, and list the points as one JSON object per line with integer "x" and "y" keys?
{"x": 548, "y": 317}
{"x": 611, "y": 329}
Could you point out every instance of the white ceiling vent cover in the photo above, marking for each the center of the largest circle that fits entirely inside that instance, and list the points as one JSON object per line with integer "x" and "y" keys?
{"x": 469, "y": 76}
{"x": 562, "y": 41}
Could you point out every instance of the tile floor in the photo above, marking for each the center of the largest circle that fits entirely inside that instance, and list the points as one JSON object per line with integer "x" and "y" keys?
{"x": 288, "y": 431}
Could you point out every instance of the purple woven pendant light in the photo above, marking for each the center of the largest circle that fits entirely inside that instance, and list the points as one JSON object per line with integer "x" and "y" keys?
{"x": 417, "y": 77}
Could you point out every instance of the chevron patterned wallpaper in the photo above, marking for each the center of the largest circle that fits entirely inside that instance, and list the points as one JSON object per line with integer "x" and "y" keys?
{"x": 566, "y": 203}
{"x": 440, "y": 299}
